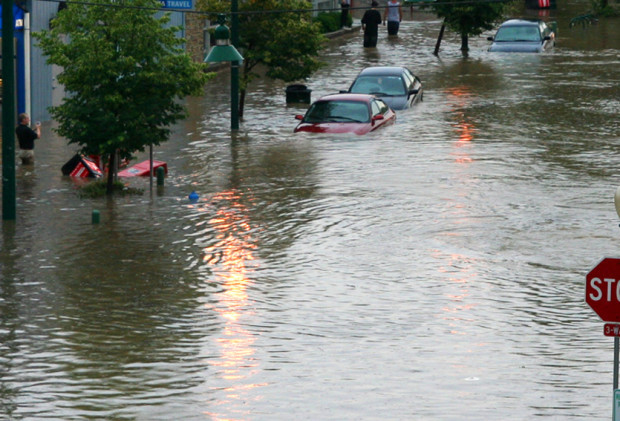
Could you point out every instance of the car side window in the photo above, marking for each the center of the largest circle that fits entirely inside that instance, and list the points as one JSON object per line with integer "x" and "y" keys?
{"x": 383, "y": 107}
{"x": 376, "y": 110}
{"x": 379, "y": 107}
{"x": 409, "y": 80}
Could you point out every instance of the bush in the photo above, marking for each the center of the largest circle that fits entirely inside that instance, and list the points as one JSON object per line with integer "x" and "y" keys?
{"x": 330, "y": 21}
{"x": 98, "y": 188}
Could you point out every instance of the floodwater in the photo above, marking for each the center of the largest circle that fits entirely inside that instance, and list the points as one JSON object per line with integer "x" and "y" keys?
{"x": 431, "y": 271}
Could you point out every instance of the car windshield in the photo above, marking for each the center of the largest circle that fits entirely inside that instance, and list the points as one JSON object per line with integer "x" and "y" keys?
{"x": 338, "y": 111}
{"x": 379, "y": 85}
{"x": 517, "y": 33}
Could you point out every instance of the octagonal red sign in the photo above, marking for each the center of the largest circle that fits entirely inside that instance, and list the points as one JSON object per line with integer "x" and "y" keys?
{"x": 603, "y": 289}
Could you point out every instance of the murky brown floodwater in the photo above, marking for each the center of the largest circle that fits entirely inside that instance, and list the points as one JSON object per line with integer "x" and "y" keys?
{"x": 434, "y": 271}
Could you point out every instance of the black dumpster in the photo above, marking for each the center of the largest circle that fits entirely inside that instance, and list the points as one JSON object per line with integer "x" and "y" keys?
{"x": 298, "y": 93}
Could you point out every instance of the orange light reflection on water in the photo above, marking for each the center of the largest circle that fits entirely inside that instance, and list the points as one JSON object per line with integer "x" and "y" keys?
{"x": 231, "y": 258}
{"x": 460, "y": 98}
{"x": 462, "y": 273}
{"x": 465, "y": 130}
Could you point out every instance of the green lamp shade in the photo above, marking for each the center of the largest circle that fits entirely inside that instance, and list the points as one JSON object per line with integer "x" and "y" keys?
{"x": 223, "y": 53}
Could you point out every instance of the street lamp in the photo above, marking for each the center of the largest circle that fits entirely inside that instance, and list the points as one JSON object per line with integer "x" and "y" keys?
{"x": 222, "y": 52}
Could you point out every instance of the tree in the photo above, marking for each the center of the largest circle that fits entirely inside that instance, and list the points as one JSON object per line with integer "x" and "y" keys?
{"x": 277, "y": 34}
{"x": 124, "y": 72}
{"x": 600, "y": 9}
{"x": 469, "y": 18}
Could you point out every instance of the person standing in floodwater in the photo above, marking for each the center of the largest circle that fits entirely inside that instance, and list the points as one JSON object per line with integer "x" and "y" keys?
{"x": 26, "y": 137}
{"x": 393, "y": 16}
{"x": 370, "y": 25}
{"x": 345, "y": 5}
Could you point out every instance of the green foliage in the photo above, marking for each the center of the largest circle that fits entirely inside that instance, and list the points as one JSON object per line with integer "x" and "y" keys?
{"x": 276, "y": 34}
{"x": 600, "y": 9}
{"x": 98, "y": 188}
{"x": 330, "y": 21}
{"x": 609, "y": 11}
{"x": 583, "y": 20}
{"x": 512, "y": 8}
{"x": 288, "y": 46}
{"x": 469, "y": 19}
{"x": 603, "y": 8}
{"x": 124, "y": 73}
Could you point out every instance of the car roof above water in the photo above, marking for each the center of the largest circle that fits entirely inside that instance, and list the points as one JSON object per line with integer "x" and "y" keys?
{"x": 379, "y": 70}
{"x": 346, "y": 97}
{"x": 521, "y": 22}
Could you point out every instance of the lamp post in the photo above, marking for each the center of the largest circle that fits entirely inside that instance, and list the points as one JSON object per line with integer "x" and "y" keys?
{"x": 8, "y": 113}
{"x": 222, "y": 52}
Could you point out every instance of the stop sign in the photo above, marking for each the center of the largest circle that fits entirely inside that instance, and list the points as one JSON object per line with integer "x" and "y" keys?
{"x": 603, "y": 289}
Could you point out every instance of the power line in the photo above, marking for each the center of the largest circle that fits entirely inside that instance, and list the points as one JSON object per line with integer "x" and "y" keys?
{"x": 418, "y": 5}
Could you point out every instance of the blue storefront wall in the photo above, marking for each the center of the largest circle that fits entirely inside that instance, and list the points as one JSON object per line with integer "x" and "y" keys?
{"x": 41, "y": 78}
{"x": 18, "y": 36}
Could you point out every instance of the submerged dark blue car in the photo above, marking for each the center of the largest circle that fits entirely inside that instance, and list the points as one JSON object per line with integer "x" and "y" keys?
{"x": 523, "y": 36}
{"x": 396, "y": 86}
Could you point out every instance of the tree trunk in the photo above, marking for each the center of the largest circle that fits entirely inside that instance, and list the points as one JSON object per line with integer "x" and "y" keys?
{"x": 464, "y": 43}
{"x": 111, "y": 167}
{"x": 243, "y": 86}
{"x": 439, "y": 38}
{"x": 241, "y": 102}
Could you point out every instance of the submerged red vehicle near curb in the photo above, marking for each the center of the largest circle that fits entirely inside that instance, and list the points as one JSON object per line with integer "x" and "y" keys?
{"x": 346, "y": 113}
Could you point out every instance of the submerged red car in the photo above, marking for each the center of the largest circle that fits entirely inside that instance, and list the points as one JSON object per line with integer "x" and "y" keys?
{"x": 346, "y": 113}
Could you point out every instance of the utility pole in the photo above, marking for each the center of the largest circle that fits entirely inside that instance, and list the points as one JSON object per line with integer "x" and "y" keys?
{"x": 8, "y": 112}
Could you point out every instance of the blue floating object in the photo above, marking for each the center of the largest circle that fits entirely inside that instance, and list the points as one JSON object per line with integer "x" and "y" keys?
{"x": 193, "y": 196}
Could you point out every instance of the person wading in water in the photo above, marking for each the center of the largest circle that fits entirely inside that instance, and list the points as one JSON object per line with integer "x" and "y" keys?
{"x": 26, "y": 137}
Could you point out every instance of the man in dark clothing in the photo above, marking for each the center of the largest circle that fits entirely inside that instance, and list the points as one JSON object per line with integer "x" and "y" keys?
{"x": 26, "y": 137}
{"x": 370, "y": 25}
{"x": 345, "y": 5}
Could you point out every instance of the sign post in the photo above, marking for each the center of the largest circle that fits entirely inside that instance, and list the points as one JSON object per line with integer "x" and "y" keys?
{"x": 616, "y": 352}
{"x": 612, "y": 329}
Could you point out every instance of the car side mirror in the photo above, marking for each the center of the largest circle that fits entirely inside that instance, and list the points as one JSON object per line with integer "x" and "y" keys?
{"x": 299, "y": 117}
{"x": 489, "y": 38}
{"x": 413, "y": 91}
{"x": 547, "y": 38}
{"x": 377, "y": 118}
